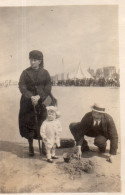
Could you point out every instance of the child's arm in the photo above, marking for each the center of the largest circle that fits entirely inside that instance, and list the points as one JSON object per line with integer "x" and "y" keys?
{"x": 43, "y": 130}
{"x": 59, "y": 127}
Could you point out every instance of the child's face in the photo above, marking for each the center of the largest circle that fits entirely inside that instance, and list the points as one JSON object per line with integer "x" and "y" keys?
{"x": 51, "y": 115}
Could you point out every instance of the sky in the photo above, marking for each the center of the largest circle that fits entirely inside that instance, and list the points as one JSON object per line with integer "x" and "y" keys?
{"x": 85, "y": 35}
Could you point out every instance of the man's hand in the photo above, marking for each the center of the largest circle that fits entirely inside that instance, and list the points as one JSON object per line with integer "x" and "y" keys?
{"x": 111, "y": 158}
{"x": 35, "y": 99}
{"x": 79, "y": 153}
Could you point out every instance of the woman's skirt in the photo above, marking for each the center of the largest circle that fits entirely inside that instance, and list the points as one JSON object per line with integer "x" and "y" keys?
{"x": 27, "y": 117}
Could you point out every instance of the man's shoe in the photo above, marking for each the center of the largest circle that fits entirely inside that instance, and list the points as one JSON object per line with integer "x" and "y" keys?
{"x": 54, "y": 157}
{"x": 31, "y": 151}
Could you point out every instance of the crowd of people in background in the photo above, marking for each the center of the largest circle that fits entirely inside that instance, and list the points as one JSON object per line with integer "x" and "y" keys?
{"x": 102, "y": 82}
{"x": 7, "y": 83}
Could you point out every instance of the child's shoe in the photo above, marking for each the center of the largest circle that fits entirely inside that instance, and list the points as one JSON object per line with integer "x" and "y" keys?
{"x": 50, "y": 160}
{"x": 54, "y": 157}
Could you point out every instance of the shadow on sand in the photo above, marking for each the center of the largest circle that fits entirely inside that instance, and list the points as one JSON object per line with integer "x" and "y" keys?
{"x": 19, "y": 149}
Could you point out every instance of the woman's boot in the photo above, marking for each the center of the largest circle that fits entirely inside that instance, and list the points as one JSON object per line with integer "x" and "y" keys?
{"x": 31, "y": 149}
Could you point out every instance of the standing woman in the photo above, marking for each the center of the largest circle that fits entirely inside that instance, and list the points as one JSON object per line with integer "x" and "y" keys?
{"x": 35, "y": 86}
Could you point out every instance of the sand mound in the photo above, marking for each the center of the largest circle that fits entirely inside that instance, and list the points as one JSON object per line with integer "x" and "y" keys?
{"x": 75, "y": 168}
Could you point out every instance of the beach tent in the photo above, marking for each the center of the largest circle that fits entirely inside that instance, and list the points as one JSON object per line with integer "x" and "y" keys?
{"x": 79, "y": 73}
{"x": 86, "y": 74}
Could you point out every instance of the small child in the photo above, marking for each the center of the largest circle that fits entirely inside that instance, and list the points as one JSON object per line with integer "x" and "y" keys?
{"x": 50, "y": 132}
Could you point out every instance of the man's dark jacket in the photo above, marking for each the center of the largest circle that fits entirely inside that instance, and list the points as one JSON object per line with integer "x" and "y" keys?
{"x": 85, "y": 127}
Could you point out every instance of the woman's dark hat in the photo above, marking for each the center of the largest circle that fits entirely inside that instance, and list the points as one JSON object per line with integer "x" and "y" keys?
{"x": 98, "y": 108}
{"x": 35, "y": 54}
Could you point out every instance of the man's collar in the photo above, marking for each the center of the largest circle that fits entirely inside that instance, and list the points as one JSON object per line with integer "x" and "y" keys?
{"x": 98, "y": 121}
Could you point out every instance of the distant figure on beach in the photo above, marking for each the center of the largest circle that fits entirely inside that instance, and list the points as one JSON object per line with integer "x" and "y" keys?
{"x": 50, "y": 132}
{"x": 99, "y": 125}
{"x": 35, "y": 87}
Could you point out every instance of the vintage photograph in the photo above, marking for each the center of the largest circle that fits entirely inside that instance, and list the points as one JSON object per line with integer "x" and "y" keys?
{"x": 60, "y": 99}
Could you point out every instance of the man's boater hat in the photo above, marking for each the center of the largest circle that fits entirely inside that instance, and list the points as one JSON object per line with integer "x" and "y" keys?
{"x": 98, "y": 108}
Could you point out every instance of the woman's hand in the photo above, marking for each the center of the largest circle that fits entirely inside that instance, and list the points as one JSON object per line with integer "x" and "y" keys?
{"x": 35, "y": 99}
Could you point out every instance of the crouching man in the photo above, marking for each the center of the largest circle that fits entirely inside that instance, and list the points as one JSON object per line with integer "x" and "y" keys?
{"x": 99, "y": 125}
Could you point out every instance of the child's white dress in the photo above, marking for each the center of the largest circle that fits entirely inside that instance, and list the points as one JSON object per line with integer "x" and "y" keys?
{"x": 50, "y": 132}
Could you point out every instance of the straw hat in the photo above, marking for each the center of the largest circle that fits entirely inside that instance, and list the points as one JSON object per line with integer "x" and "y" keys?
{"x": 98, "y": 108}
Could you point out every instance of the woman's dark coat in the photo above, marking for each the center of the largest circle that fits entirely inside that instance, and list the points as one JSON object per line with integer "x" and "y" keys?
{"x": 32, "y": 83}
